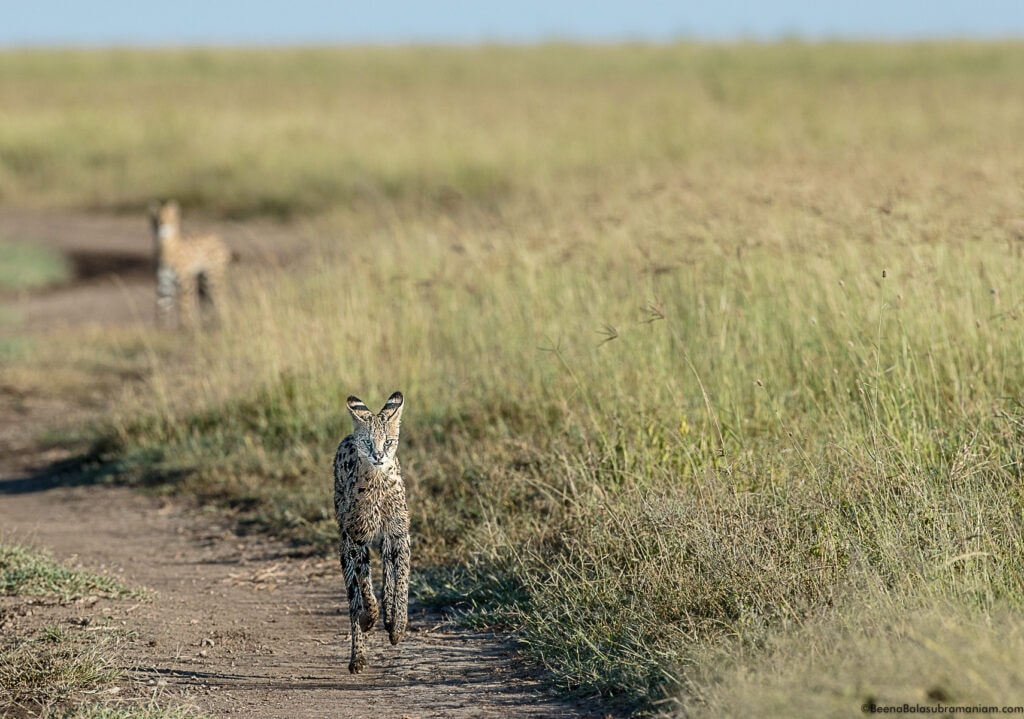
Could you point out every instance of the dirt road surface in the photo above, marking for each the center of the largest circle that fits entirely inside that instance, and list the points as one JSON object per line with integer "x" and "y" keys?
{"x": 235, "y": 625}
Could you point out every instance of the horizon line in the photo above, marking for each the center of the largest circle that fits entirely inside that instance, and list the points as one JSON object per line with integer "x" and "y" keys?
{"x": 552, "y": 40}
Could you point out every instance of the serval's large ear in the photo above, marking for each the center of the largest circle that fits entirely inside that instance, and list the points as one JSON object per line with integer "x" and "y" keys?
{"x": 361, "y": 414}
{"x": 392, "y": 411}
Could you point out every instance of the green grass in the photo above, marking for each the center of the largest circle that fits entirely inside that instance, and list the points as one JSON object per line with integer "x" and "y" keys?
{"x": 27, "y": 266}
{"x": 710, "y": 354}
{"x": 25, "y": 572}
{"x": 724, "y": 470}
{"x": 311, "y": 130}
{"x": 56, "y": 671}
{"x": 51, "y": 670}
{"x": 65, "y": 673}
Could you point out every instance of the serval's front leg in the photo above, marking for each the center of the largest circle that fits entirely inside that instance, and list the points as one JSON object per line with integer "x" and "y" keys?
{"x": 395, "y": 584}
{"x": 209, "y": 287}
{"x": 362, "y": 605}
{"x": 188, "y": 300}
{"x": 166, "y": 296}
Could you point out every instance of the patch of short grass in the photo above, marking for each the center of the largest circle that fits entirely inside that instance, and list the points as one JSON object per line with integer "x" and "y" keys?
{"x": 52, "y": 670}
{"x": 27, "y": 572}
{"x": 145, "y": 710}
{"x": 64, "y": 673}
{"x": 60, "y": 670}
{"x": 13, "y": 348}
{"x": 26, "y": 266}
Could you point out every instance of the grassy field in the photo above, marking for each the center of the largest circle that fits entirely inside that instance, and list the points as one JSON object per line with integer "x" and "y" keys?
{"x": 711, "y": 354}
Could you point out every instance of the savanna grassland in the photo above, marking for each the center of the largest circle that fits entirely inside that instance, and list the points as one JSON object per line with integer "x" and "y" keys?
{"x": 712, "y": 354}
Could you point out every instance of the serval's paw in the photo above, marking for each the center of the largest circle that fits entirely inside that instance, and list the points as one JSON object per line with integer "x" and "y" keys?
{"x": 368, "y": 618}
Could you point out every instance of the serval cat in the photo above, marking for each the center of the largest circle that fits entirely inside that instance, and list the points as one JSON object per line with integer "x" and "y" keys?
{"x": 190, "y": 269}
{"x": 369, "y": 502}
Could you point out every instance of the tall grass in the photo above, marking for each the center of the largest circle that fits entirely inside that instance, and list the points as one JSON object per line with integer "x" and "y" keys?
{"x": 760, "y": 434}
{"x": 887, "y": 655}
{"x": 293, "y": 131}
{"x": 703, "y": 347}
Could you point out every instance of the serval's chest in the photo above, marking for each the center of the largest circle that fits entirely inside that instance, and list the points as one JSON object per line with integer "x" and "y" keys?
{"x": 369, "y": 502}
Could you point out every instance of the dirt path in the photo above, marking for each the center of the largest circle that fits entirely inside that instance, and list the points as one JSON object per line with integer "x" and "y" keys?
{"x": 237, "y": 625}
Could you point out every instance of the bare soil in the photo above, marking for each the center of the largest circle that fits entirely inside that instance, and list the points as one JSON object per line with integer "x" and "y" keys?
{"x": 235, "y": 624}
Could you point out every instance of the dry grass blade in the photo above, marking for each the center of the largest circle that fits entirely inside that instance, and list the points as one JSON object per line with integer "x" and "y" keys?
{"x": 653, "y": 311}
{"x": 609, "y": 333}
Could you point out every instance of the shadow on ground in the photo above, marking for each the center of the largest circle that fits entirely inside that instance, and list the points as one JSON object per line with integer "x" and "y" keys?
{"x": 85, "y": 468}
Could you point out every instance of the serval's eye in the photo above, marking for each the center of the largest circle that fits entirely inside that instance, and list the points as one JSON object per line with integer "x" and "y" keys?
{"x": 389, "y": 443}
{"x": 369, "y": 444}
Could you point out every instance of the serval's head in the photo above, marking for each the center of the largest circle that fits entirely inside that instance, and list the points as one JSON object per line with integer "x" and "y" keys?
{"x": 376, "y": 435}
{"x": 166, "y": 218}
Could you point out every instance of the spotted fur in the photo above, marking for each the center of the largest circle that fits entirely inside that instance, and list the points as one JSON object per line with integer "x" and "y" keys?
{"x": 190, "y": 269}
{"x": 369, "y": 502}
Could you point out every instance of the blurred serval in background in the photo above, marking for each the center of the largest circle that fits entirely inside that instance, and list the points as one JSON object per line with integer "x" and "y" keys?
{"x": 190, "y": 269}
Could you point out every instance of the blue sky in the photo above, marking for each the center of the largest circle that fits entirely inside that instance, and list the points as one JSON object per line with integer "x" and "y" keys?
{"x": 203, "y": 22}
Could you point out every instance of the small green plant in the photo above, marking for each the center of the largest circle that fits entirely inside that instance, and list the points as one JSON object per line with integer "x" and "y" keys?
{"x": 26, "y": 572}
{"x": 25, "y": 266}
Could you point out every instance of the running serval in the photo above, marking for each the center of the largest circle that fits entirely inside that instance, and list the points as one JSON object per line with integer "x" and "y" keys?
{"x": 369, "y": 502}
